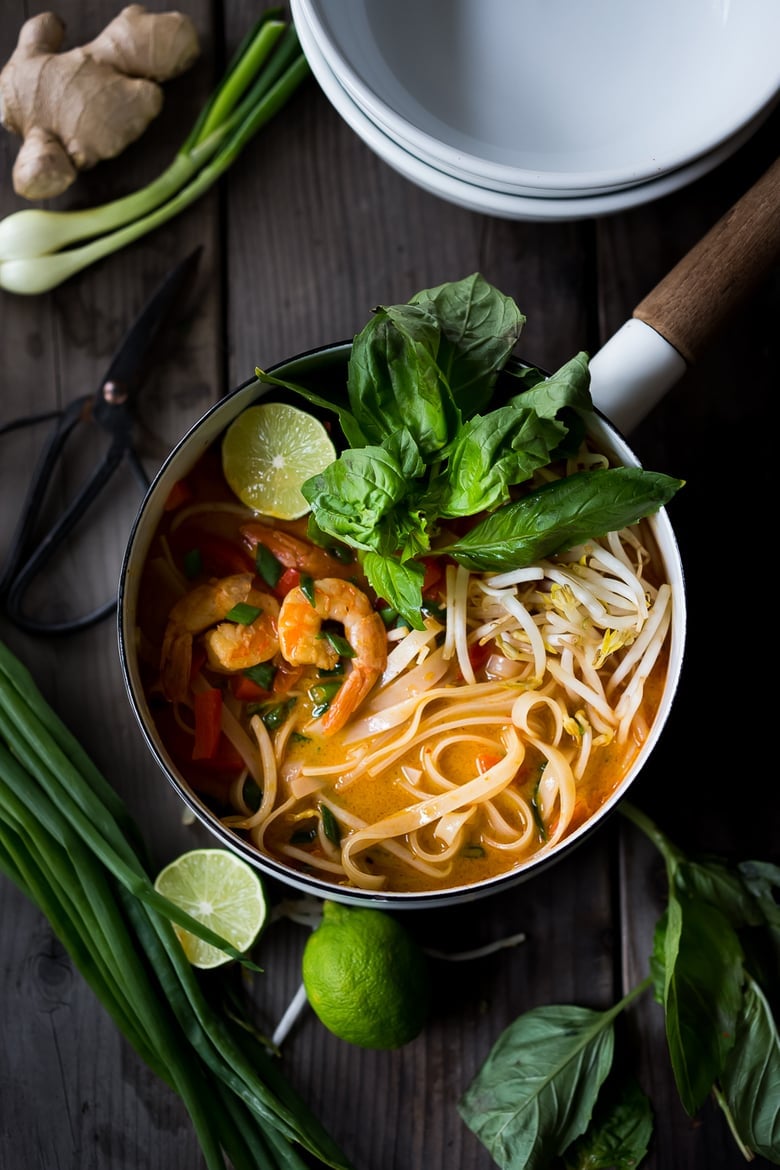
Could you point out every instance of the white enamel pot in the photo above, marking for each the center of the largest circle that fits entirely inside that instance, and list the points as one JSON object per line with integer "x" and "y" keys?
{"x": 630, "y": 373}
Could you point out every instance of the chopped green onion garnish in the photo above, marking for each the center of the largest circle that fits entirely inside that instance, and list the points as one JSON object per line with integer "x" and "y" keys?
{"x": 388, "y": 615}
{"x": 269, "y": 567}
{"x": 252, "y": 794}
{"x": 263, "y": 674}
{"x": 303, "y": 836}
{"x": 307, "y": 589}
{"x": 322, "y": 695}
{"x": 193, "y": 563}
{"x": 330, "y": 825}
{"x": 472, "y": 851}
{"x": 338, "y": 642}
{"x": 243, "y": 614}
{"x": 273, "y": 717}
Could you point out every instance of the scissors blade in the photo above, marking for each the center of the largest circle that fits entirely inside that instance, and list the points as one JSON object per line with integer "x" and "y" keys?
{"x": 128, "y": 363}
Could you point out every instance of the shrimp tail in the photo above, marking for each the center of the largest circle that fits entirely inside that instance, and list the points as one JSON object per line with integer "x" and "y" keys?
{"x": 348, "y": 698}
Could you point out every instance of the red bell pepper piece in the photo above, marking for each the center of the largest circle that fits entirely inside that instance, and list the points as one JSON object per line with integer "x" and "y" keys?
{"x": 289, "y": 579}
{"x": 208, "y": 723}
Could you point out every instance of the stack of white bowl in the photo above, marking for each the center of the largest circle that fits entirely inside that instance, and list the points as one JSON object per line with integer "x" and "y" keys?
{"x": 547, "y": 109}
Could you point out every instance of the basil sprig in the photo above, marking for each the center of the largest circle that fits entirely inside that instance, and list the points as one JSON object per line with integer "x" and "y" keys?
{"x": 547, "y": 1089}
{"x": 427, "y": 444}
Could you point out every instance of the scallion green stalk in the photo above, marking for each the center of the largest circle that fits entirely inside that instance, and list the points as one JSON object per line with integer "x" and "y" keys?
{"x": 35, "y": 244}
{"x": 69, "y": 843}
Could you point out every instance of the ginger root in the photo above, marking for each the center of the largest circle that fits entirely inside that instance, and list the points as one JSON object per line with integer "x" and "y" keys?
{"x": 74, "y": 109}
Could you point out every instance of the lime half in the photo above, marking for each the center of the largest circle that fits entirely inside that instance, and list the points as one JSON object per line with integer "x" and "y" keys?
{"x": 268, "y": 451}
{"x": 221, "y": 891}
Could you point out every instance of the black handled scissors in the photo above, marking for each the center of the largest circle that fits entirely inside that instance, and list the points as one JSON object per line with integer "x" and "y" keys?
{"x": 111, "y": 407}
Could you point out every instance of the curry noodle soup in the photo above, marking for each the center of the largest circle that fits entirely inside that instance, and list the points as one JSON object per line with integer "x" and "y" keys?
{"x": 323, "y": 729}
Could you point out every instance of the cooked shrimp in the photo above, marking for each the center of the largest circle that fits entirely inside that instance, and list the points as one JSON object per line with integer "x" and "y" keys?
{"x": 230, "y": 646}
{"x": 300, "y": 625}
{"x": 295, "y": 553}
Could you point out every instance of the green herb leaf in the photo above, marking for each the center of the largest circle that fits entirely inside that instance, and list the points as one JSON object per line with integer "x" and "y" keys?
{"x": 751, "y": 1077}
{"x": 619, "y": 1135}
{"x": 394, "y": 380}
{"x": 560, "y": 515}
{"x": 699, "y": 957}
{"x": 479, "y": 327}
{"x": 536, "y": 1091}
{"x": 399, "y": 584}
{"x": 307, "y": 589}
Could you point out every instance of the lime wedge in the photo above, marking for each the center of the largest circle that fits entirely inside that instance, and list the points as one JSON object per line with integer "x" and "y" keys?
{"x": 220, "y": 890}
{"x": 268, "y": 451}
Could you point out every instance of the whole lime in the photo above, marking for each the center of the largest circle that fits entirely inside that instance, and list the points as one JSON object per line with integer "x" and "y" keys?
{"x": 366, "y": 978}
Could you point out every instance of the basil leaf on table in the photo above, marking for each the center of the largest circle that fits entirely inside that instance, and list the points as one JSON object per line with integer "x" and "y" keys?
{"x": 621, "y": 1130}
{"x": 699, "y": 958}
{"x": 560, "y": 515}
{"x": 751, "y": 1087}
{"x": 537, "y": 1089}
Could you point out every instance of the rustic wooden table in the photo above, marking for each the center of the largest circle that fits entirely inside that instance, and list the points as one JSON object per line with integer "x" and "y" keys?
{"x": 306, "y": 234}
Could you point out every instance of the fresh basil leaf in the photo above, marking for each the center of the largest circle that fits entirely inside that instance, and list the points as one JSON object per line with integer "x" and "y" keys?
{"x": 618, "y": 1137}
{"x": 537, "y": 1089}
{"x": 479, "y": 329}
{"x": 492, "y": 453}
{"x": 399, "y": 584}
{"x": 762, "y": 878}
{"x": 751, "y": 1078}
{"x": 716, "y": 882}
{"x": 700, "y": 959}
{"x": 354, "y": 499}
{"x": 394, "y": 380}
{"x": 560, "y": 515}
{"x": 568, "y": 386}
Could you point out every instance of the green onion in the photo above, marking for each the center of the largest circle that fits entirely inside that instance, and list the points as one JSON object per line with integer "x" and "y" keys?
{"x": 35, "y": 252}
{"x": 338, "y": 642}
{"x": 269, "y": 567}
{"x": 243, "y": 614}
{"x": 322, "y": 695}
{"x": 69, "y": 843}
{"x": 330, "y": 825}
{"x": 307, "y": 589}
{"x": 262, "y": 674}
{"x": 193, "y": 564}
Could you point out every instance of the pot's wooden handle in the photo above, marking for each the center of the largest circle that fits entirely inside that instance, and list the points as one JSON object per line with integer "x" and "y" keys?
{"x": 694, "y": 301}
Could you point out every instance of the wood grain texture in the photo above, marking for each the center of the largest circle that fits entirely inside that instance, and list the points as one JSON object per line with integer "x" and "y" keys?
{"x": 302, "y": 239}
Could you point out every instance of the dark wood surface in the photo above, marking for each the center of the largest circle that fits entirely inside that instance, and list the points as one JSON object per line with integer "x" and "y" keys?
{"x": 306, "y": 234}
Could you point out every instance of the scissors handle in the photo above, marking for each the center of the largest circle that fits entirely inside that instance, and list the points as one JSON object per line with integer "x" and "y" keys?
{"x": 21, "y": 578}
